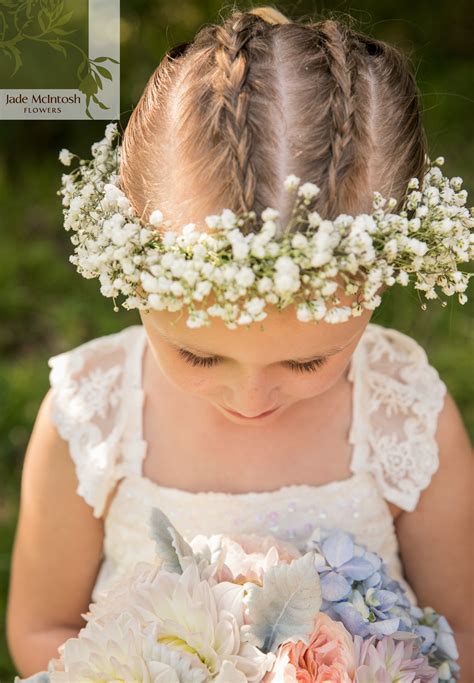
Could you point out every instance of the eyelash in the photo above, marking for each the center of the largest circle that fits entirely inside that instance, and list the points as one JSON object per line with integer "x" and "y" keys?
{"x": 310, "y": 366}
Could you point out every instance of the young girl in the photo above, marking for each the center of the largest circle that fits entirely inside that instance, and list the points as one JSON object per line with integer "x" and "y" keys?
{"x": 273, "y": 428}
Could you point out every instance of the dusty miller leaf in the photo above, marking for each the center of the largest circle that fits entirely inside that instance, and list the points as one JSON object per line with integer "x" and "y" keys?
{"x": 171, "y": 547}
{"x": 285, "y": 607}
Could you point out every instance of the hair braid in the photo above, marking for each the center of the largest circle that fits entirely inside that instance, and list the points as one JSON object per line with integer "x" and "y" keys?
{"x": 340, "y": 53}
{"x": 233, "y": 98}
{"x": 259, "y": 96}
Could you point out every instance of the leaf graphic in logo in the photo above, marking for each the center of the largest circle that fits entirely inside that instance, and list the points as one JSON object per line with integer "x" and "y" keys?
{"x": 42, "y": 21}
{"x": 104, "y": 72}
{"x": 99, "y": 103}
{"x": 14, "y": 53}
{"x": 64, "y": 19}
{"x": 62, "y": 32}
{"x": 57, "y": 46}
{"x": 88, "y": 86}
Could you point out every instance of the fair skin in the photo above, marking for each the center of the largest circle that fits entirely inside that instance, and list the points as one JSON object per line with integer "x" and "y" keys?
{"x": 252, "y": 375}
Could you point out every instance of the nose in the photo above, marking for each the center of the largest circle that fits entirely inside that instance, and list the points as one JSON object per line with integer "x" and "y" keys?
{"x": 252, "y": 393}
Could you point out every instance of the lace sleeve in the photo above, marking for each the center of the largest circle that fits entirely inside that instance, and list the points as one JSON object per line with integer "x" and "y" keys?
{"x": 398, "y": 397}
{"x": 87, "y": 411}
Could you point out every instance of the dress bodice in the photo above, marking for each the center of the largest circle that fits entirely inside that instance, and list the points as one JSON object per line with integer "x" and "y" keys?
{"x": 97, "y": 407}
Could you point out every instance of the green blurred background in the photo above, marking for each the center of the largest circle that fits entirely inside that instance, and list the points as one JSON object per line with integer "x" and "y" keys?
{"x": 46, "y": 308}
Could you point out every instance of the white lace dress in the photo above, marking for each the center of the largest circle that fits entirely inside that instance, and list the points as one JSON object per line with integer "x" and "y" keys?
{"x": 97, "y": 407}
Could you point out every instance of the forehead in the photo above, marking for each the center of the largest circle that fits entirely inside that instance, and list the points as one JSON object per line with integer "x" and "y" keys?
{"x": 279, "y": 336}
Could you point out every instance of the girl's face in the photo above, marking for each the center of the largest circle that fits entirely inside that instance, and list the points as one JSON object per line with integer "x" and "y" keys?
{"x": 269, "y": 366}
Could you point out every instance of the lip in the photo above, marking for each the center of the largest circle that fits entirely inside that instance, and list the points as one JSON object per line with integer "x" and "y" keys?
{"x": 253, "y": 417}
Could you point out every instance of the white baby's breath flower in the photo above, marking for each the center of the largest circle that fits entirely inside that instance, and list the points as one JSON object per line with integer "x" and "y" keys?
{"x": 65, "y": 157}
{"x": 156, "y": 218}
{"x": 255, "y": 306}
{"x": 338, "y": 315}
{"x": 391, "y": 248}
{"x": 308, "y": 190}
{"x": 314, "y": 219}
{"x": 402, "y": 277}
{"x": 178, "y": 267}
{"x": 264, "y": 285}
{"x": 319, "y": 309}
{"x": 270, "y": 214}
{"x": 268, "y": 230}
{"x": 273, "y": 249}
{"x": 216, "y": 310}
{"x": 303, "y": 313}
{"x": 245, "y": 277}
{"x": 149, "y": 283}
{"x": 291, "y": 182}
{"x": 189, "y": 229}
{"x": 299, "y": 241}
{"x": 417, "y": 246}
{"x": 320, "y": 258}
{"x": 190, "y": 275}
{"x": 228, "y": 219}
{"x": 112, "y": 244}
{"x": 111, "y": 131}
{"x": 196, "y": 319}
{"x": 329, "y": 288}
{"x": 240, "y": 250}
{"x": 213, "y": 221}
{"x": 244, "y": 319}
{"x": 373, "y": 302}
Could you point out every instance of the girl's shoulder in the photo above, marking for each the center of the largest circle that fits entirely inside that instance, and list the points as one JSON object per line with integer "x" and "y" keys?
{"x": 87, "y": 407}
{"x": 398, "y": 397}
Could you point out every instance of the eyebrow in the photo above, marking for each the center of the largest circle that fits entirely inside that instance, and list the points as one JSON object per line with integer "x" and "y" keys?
{"x": 196, "y": 349}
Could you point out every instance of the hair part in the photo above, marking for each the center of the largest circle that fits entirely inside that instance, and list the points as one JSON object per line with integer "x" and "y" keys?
{"x": 225, "y": 118}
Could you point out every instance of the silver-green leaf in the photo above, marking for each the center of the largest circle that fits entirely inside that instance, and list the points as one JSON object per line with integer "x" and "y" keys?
{"x": 171, "y": 547}
{"x": 285, "y": 607}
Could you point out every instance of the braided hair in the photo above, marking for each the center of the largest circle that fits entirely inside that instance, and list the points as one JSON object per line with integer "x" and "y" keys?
{"x": 225, "y": 118}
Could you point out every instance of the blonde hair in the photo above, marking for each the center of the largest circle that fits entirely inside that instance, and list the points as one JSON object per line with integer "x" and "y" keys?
{"x": 224, "y": 118}
{"x": 270, "y": 15}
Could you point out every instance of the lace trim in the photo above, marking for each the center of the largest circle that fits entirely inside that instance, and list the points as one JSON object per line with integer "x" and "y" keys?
{"x": 88, "y": 412}
{"x": 395, "y": 418}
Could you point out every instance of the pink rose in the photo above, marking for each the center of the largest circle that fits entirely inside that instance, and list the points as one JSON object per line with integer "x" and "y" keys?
{"x": 329, "y": 656}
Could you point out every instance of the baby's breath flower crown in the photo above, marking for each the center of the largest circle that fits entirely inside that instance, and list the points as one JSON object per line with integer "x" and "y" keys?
{"x": 154, "y": 266}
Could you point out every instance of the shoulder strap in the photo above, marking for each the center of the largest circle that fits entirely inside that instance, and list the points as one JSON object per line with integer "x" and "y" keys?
{"x": 90, "y": 409}
{"x": 398, "y": 396}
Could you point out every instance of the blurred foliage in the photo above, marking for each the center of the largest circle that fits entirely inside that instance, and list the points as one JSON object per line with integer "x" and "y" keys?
{"x": 46, "y": 307}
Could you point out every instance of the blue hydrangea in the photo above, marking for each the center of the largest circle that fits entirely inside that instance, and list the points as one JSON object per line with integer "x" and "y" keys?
{"x": 356, "y": 587}
{"x": 358, "y": 590}
{"x": 438, "y": 642}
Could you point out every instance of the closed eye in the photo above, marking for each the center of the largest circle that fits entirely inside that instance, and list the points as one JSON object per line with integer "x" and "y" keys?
{"x": 210, "y": 361}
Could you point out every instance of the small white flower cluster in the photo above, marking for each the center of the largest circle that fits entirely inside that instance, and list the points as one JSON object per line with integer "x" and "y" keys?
{"x": 157, "y": 267}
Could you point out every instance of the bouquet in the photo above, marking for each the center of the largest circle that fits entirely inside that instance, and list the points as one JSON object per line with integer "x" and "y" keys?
{"x": 255, "y": 609}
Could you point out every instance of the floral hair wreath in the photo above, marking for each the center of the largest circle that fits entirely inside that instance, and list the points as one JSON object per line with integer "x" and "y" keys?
{"x": 165, "y": 269}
